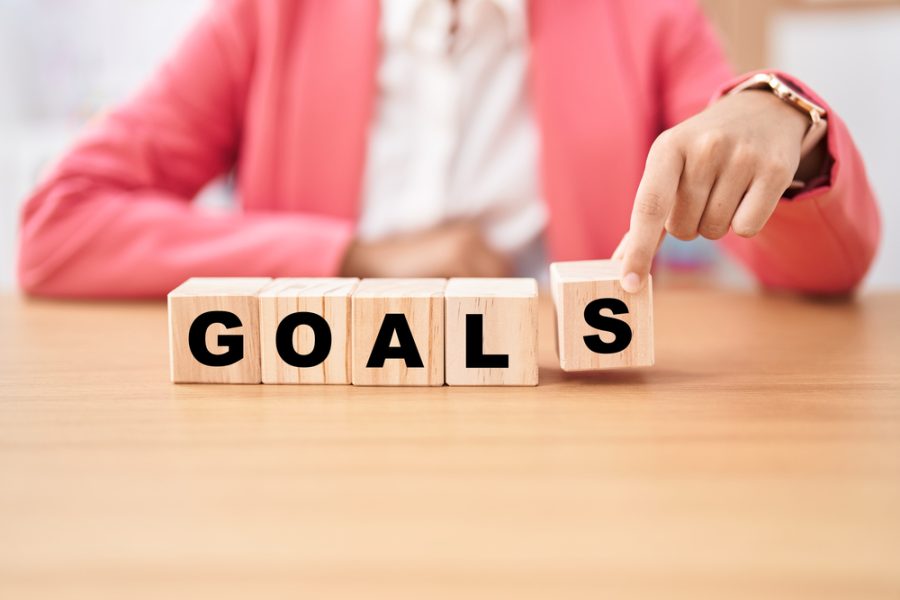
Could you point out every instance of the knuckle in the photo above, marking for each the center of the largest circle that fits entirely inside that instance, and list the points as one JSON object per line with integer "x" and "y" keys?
{"x": 710, "y": 144}
{"x": 713, "y": 230}
{"x": 776, "y": 168}
{"x": 664, "y": 140}
{"x": 650, "y": 204}
{"x": 744, "y": 230}
{"x": 682, "y": 232}
{"x": 680, "y": 226}
{"x": 745, "y": 157}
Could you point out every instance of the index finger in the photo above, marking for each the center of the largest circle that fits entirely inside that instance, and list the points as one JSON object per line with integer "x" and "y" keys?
{"x": 652, "y": 204}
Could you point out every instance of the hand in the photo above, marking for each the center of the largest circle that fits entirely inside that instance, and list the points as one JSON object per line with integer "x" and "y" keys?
{"x": 727, "y": 167}
{"x": 452, "y": 250}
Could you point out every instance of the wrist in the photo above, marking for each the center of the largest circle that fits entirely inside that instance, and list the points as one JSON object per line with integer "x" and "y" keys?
{"x": 812, "y": 159}
{"x": 793, "y": 121}
{"x": 794, "y": 98}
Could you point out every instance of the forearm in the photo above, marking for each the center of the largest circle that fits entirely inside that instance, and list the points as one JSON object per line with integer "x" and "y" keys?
{"x": 824, "y": 239}
{"x": 130, "y": 245}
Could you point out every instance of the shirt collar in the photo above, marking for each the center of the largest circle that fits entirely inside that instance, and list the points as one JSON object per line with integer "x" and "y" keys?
{"x": 400, "y": 17}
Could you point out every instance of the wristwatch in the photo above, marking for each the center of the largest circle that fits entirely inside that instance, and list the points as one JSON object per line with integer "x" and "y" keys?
{"x": 817, "y": 115}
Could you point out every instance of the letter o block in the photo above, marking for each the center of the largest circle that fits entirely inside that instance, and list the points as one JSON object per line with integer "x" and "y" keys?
{"x": 321, "y": 339}
{"x": 598, "y": 324}
{"x": 398, "y": 332}
{"x": 214, "y": 330}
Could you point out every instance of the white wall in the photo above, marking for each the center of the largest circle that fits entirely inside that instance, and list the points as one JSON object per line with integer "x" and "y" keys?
{"x": 853, "y": 60}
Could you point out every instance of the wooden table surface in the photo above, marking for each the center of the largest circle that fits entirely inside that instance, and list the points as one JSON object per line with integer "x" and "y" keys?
{"x": 760, "y": 458}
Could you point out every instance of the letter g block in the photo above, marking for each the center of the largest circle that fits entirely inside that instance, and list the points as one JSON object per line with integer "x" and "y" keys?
{"x": 214, "y": 330}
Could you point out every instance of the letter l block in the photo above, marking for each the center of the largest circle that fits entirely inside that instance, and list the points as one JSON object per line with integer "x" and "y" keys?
{"x": 506, "y": 314}
{"x": 193, "y": 298}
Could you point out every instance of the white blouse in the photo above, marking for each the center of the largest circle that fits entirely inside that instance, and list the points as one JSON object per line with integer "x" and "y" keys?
{"x": 452, "y": 134}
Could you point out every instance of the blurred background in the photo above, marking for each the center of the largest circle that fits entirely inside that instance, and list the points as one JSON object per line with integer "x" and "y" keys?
{"x": 63, "y": 62}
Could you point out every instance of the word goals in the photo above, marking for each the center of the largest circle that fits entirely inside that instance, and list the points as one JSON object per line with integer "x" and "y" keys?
{"x": 425, "y": 332}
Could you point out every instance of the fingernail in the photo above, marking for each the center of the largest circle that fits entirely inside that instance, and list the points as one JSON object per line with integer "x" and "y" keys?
{"x": 631, "y": 283}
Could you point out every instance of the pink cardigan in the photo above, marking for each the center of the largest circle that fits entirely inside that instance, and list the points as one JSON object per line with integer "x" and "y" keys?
{"x": 281, "y": 92}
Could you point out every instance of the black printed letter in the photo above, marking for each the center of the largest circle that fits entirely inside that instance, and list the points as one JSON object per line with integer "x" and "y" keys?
{"x": 475, "y": 357}
{"x": 619, "y": 327}
{"x": 233, "y": 343}
{"x": 406, "y": 350}
{"x": 284, "y": 340}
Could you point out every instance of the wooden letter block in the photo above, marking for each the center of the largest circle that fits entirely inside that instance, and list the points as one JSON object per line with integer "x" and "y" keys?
{"x": 304, "y": 330}
{"x": 398, "y": 332}
{"x": 598, "y": 324}
{"x": 492, "y": 331}
{"x": 214, "y": 330}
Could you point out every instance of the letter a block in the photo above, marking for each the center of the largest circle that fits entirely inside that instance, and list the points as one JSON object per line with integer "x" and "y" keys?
{"x": 492, "y": 331}
{"x": 305, "y": 330}
{"x": 598, "y": 324}
{"x": 398, "y": 332}
{"x": 214, "y": 330}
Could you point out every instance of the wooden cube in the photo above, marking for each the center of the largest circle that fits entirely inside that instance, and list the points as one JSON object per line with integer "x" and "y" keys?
{"x": 598, "y": 324}
{"x": 214, "y": 330}
{"x": 398, "y": 332}
{"x": 304, "y": 330}
{"x": 491, "y": 331}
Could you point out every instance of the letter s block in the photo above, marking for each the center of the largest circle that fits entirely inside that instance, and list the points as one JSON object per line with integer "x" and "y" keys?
{"x": 598, "y": 324}
{"x": 398, "y": 332}
{"x": 214, "y": 330}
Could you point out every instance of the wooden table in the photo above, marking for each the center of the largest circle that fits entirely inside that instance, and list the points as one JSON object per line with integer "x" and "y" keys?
{"x": 760, "y": 458}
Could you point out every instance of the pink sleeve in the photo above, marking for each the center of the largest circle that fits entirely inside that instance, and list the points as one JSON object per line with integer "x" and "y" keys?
{"x": 690, "y": 63}
{"x": 821, "y": 241}
{"x": 115, "y": 219}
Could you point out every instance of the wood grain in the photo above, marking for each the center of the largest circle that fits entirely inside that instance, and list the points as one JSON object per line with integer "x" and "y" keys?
{"x": 509, "y": 311}
{"x": 574, "y": 285}
{"x": 327, "y": 297}
{"x": 760, "y": 464}
{"x": 421, "y": 302}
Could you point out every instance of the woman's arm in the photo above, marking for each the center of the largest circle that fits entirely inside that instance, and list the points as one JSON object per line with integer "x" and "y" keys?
{"x": 824, "y": 239}
{"x": 115, "y": 219}
{"x": 728, "y": 167}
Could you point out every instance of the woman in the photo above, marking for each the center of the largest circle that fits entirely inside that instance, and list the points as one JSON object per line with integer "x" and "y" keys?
{"x": 438, "y": 138}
